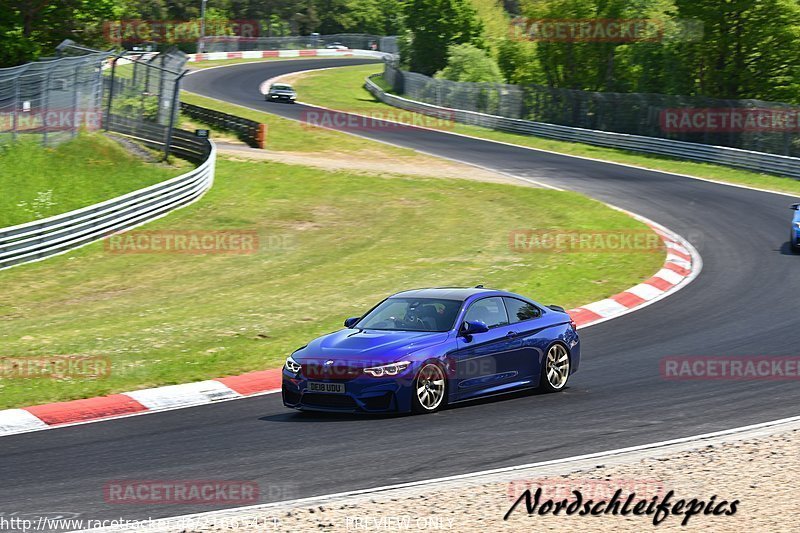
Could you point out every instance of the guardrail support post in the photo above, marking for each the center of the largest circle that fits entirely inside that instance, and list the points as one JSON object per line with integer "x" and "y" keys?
{"x": 261, "y": 136}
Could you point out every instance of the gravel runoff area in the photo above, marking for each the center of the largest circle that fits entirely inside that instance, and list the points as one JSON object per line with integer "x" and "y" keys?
{"x": 758, "y": 469}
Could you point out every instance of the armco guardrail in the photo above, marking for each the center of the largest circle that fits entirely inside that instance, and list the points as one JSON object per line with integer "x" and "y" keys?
{"x": 287, "y": 54}
{"x": 43, "y": 238}
{"x": 720, "y": 155}
{"x": 249, "y": 131}
{"x": 152, "y": 135}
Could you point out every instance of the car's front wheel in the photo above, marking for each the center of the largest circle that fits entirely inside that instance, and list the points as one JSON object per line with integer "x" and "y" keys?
{"x": 555, "y": 369}
{"x": 429, "y": 389}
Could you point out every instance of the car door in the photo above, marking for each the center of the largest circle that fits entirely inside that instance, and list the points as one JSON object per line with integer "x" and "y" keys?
{"x": 525, "y": 322}
{"x": 485, "y": 362}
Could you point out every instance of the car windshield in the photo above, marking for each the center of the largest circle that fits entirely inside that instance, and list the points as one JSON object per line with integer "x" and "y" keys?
{"x": 281, "y": 87}
{"x": 412, "y": 314}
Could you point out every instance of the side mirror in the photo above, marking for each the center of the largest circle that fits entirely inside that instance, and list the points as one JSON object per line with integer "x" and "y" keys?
{"x": 350, "y": 322}
{"x": 474, "y": 327}
{"x": 794, "y": 206}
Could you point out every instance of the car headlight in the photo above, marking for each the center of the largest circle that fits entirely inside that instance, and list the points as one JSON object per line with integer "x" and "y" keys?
{"x": 387, "y": 370}
{"x": 292, "y": 366}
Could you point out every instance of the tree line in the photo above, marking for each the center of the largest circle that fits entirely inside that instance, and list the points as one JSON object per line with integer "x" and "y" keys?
{"x": 30, "y": 29}
{"x": 733, "y": 49}
{"x": 717, "y": 48}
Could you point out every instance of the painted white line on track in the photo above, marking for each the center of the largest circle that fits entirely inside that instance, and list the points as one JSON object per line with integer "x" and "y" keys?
{"x": 506, "y": 474}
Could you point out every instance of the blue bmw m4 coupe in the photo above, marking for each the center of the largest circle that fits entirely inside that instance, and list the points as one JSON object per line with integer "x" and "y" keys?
{"x": 794, "y": 233}
{"x": 420, "y": 350}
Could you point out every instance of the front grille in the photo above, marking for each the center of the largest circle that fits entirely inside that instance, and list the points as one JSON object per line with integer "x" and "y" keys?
{"x": 334, "y": 401}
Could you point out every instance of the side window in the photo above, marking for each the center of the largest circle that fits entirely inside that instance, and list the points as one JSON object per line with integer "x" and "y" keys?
{"x": 519, "y": 311}
{"x": 490, "y": 311}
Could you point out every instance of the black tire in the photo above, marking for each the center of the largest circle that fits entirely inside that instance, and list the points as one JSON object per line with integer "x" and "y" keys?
{"x": 556, "y": 365}
{"x": 428, "y": 377}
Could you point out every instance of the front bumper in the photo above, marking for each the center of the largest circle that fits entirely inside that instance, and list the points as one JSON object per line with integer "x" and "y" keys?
{"x": 363, "y": 394}
{"x": 280, "y": 98}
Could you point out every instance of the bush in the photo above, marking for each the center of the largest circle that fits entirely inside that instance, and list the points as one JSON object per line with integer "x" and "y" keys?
{"x": 466, "y": 62}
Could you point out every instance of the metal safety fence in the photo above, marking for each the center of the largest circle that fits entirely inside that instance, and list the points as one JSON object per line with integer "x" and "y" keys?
{"x": 721, "y": 155}
{"x": 680, "y": 118}
{"x": 50, "y": 101}
{"x": 145, "y": 88}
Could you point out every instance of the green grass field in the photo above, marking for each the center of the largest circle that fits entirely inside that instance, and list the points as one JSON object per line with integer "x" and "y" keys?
{"x": 314, "y": 88}
{"x": 333, "y": 244}
{"x": 40, "y": 182}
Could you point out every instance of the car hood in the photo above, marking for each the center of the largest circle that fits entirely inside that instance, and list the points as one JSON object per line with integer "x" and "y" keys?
{"x": 283, "y": 93}
{"x": 368, "y": 346}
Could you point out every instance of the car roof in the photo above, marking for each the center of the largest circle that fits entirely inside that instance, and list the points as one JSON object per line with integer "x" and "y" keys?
{"x": 447, "y": 293}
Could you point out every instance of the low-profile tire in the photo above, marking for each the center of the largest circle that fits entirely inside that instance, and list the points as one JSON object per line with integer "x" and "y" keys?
{"x": 429, "y": 389}
{"x": 555, "y": 368}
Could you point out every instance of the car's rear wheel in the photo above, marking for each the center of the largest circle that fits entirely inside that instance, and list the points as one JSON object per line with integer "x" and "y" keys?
{"x": 555, "y": 369}
{"x": 430, "y": 389}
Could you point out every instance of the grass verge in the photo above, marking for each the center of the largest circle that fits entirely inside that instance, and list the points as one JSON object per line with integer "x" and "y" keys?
{"x": 332, "y": 244}
{"x": 39, "y": 182}
{"x": 314, "y": 88}
{"x": 286, "y": 135}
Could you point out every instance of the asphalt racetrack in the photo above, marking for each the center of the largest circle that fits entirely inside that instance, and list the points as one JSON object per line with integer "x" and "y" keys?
{"x": 743, "y": 303}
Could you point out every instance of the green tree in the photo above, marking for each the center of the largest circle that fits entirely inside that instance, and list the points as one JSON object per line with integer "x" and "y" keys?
{"x": 31, "y": 28}
{"x": 749, "y": 49}
{"x": 435, "y": 25}
{"x": 379, "y": 17}
{"x": 466, "y": 62}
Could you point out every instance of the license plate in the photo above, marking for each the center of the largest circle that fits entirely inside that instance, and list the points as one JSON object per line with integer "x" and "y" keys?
{"x": 332, "y": 388}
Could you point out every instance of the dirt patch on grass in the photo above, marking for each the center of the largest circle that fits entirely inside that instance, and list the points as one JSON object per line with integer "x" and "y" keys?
{"x": 370, "y": 161}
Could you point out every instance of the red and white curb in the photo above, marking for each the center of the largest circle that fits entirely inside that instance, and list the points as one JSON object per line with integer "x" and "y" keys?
{"x": 682, "y": 265}
{"x": 267, "y": 54}
{"x": 139, "y": 402}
